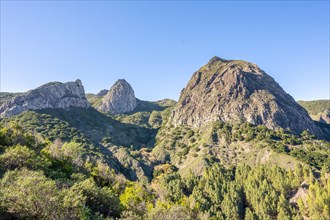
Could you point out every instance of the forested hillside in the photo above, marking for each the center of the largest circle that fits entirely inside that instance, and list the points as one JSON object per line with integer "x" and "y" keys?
{"x": 45, "y": 177}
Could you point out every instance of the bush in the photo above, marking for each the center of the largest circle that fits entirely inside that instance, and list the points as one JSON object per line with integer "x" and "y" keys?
{"x": 29, "y": 194}
{"x": 195, "y": 155}
{"x": 18, "y": 157}
{"x": 185, "y": 151}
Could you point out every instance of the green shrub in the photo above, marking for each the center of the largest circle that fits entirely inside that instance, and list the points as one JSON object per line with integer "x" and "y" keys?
{"x": 18, "y": 157}
{"x": 29, "y": 194}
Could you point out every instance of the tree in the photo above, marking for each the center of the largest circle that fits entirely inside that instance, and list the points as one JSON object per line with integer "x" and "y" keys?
{"x": 174, "y": 186}
{"x": 136, "y": 198}
{"x": 99, "y": 200}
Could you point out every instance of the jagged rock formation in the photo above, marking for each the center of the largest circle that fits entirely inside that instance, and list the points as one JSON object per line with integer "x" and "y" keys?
{"x": 119, "y": 99}
{"x": 233, "y": 91}
{"x": 50, "y": 95}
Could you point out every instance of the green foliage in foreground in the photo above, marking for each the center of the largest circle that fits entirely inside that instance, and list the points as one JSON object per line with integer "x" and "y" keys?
{"x": 263, "y": 192}
{"x": 53, "y": 180}
{"x": 30, "y": 194}
{"x": 40, "y": 179}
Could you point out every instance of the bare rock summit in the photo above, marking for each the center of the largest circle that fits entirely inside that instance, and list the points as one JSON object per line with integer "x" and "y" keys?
{"x": 234, "y": 91}
{"x": 120, "y": 98}
{"x": 50, "y": 95}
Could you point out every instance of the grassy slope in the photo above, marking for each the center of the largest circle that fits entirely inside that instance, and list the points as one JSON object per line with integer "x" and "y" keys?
{"x": 229, "y": 145}
{"x": 98, "y": 132}
{"x": 319, "y": 110}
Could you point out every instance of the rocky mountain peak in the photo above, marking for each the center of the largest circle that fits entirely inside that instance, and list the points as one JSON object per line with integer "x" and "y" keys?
{"x": 235, "y": 90}
{"x": 50, "y": 95}
{"x": 119, "y": 99}
{"x": 78, "y": 82}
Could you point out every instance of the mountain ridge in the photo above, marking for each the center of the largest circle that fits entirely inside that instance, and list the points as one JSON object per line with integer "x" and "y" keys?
{"x": 50, "y": 95}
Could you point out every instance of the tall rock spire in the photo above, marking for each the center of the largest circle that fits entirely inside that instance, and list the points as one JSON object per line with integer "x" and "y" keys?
{"x": 119, "y": 99}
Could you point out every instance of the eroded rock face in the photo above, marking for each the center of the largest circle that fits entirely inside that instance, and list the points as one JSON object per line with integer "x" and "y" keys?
{"x": 50, "y": 95}
{"x": 233, "y": 91}
{"x": 119, "y": 99}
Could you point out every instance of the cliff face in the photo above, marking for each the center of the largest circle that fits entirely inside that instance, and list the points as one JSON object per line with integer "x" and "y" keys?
{"x": 233, "y": 91}
{"x": 119, "y": 99}
{"x": 51, "y": 95}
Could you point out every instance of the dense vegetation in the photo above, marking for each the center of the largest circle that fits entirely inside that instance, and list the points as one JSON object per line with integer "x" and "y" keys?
{"x": 81, "y": 164}
{"x": 51, "y": 179}
{"x": 232, "y": 144}
{"x": 81, "y": 125}
{"x": 43, "y": 179}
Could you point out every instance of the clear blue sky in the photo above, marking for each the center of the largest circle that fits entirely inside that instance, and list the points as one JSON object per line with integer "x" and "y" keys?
{"x": 156, "y": 46}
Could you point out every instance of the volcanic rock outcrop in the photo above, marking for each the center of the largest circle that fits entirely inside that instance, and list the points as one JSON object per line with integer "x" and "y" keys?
{"x": 50, "y": 95}
{"x": 120, "y": 98}
{"x": 234, "y": 91}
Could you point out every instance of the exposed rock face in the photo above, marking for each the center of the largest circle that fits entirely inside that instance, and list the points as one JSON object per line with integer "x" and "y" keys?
{"x": 50, "y": 95}
{"x": 233, "y": 91}
{"x": 119, "y": 99}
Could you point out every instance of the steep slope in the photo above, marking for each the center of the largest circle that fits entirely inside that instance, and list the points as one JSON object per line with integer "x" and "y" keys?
{"x": 106, "y": 138}
{"x": 51, "y": 95}
{"x": 235, "y": 91}
{"x": 119, "y": 99}
{"x": 80, "y": 123}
